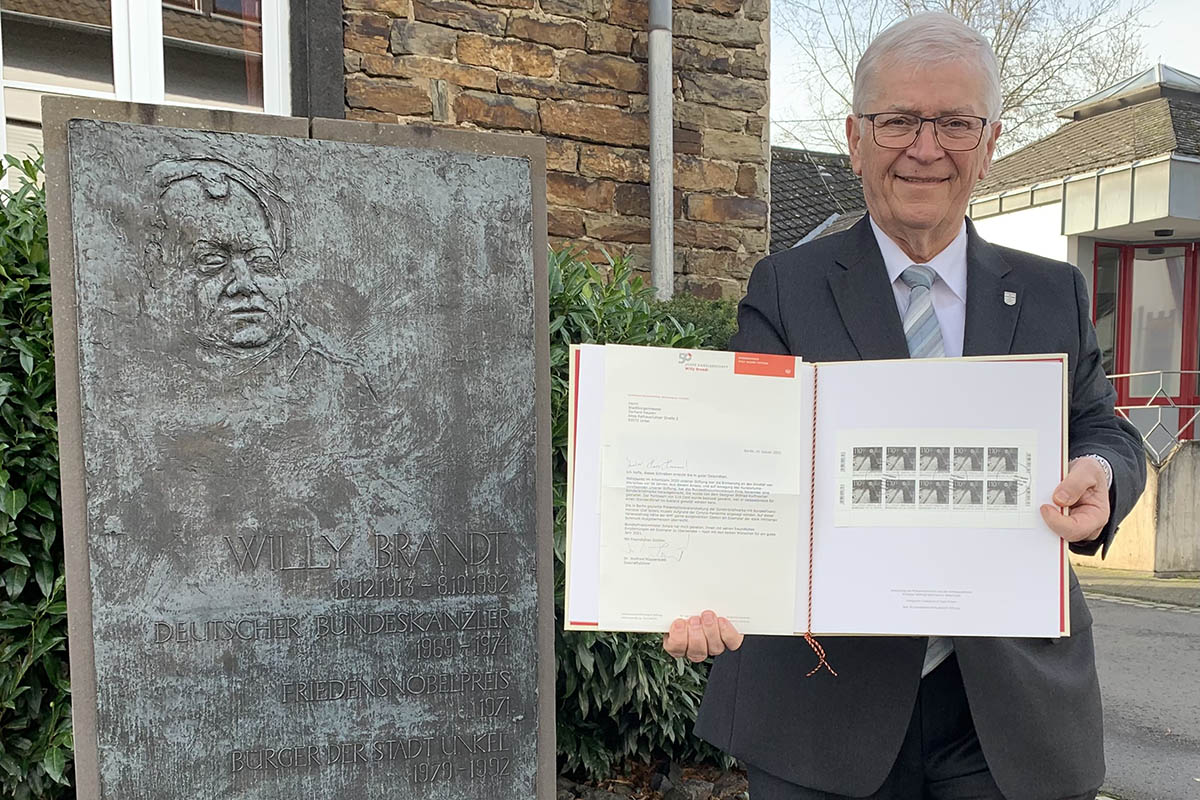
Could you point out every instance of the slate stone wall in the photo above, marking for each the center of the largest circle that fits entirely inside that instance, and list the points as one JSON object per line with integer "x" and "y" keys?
{"x": 575, "y": 72}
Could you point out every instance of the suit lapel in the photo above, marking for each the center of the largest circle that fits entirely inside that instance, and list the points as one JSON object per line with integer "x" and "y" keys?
{"x": 991, "y": 317}
{"x": 865, "y": 298}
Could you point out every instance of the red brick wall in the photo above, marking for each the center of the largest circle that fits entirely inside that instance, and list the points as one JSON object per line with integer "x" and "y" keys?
{"x": 574, "y": 71}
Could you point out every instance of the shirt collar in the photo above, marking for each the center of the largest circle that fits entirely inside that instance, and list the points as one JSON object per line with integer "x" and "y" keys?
{"x": 950, "y": 264}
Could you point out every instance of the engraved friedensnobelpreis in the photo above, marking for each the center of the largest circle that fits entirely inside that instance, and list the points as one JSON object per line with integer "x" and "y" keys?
{"x": 357, "y": 687}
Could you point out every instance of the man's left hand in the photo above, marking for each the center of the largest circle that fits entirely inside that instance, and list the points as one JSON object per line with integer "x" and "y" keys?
{"x": 1085, "y": 492}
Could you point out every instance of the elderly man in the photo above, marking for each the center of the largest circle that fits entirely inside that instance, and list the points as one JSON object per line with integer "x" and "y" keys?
{"x": 926, "y": 717}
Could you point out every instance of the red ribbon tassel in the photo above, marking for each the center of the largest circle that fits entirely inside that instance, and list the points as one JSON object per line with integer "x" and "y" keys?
{"x": 812, "y": 515}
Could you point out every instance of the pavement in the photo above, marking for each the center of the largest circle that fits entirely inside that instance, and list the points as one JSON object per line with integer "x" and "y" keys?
{"x": 1147, "y": 633}
{"x": 1141, "y": 587}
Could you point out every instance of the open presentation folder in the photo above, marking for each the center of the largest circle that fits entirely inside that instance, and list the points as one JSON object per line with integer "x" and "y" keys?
{"x": 907, "y": 490}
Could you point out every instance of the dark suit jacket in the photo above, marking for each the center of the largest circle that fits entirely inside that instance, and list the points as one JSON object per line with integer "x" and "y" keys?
{"x": 1035, "y": 702}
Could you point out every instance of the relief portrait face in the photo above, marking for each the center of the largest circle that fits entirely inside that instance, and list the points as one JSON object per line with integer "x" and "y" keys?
{"x": 226, "y": 252}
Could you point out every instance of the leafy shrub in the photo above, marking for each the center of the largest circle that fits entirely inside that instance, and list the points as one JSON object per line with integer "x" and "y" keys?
{"x": 35, "y": 709}
{"x": 715, "y": 320}
{"x": 619, "y": 695}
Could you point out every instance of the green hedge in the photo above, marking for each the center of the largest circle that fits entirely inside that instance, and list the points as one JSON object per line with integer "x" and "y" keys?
{"x": 619, "y": 696}
{"x": 35, "y": 707}
{"x": 715, "y": 320}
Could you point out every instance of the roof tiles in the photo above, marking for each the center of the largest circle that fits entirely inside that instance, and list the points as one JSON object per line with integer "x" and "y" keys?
{"x": 806, "y": 188}
{"x": 1154, "y": 128}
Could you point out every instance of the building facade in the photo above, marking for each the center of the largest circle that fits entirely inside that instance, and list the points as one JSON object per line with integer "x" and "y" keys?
{"x": 213, "y": 53}
{"x": 1116, "y": 191}
{"x": 572, "y": 71}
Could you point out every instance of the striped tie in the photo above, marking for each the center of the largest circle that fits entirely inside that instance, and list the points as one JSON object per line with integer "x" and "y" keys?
{"x": 925, "y": 341}
{"x": 921, "y": 327}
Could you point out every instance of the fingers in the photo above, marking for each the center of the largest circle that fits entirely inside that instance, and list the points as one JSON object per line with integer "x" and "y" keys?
{"x": 675, "y": 639}
{"x": 1084, "y": 492}
{"x": 729, "y": 634}
{"x": 1083, "y": 475}
{"x": 699, "y": 637}
{"x": 1083, "y": 524}
{"x": 697, "y": 648}
{"x": 712, "y": 634}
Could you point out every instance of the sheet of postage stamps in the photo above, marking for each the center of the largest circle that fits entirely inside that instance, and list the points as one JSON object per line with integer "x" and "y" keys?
{"x": 935, "y": 478}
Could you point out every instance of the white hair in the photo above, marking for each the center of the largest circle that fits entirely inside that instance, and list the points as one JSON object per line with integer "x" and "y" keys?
{"x": 931, "y": 37}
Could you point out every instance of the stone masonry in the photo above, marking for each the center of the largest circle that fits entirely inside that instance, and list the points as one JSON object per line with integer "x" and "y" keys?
{"x": 574, "y": 71}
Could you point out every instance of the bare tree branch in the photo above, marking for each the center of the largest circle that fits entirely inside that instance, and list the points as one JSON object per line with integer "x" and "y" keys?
{"x": 1051, "y": 53}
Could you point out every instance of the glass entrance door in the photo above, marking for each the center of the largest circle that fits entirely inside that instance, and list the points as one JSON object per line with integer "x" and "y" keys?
{"x": 1145, "y": 310}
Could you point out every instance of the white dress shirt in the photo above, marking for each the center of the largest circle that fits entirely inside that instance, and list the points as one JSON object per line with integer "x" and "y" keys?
{"x": 949, "y": 288}
{"x": 950, "y": 307}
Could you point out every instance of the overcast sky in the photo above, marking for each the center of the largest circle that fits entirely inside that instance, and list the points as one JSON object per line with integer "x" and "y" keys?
{"x": 1174, "y": 39}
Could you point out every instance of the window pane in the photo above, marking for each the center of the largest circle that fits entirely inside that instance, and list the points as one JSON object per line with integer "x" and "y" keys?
{"x": 1156, "y": 322}
{"x": 243, "y": 9}
{"x": 56, "y": 43}
{"x": 213, "y": 56}
{"x": 24, "y": 140}
{"x": 1108, "y": 264}
{"x": 1158, "y": 425}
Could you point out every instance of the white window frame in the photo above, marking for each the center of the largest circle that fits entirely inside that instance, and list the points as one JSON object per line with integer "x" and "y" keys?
{"x": 138, "y": 50}
{"x": 3, "y": 117}
{"x": 137, "y": 58}
{"x": 276, "y": 58}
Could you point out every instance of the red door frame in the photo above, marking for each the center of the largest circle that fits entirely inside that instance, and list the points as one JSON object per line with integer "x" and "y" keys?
{"x": 1189, "y": 386}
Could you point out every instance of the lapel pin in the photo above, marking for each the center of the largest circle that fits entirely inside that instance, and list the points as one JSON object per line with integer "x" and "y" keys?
{"x": 1010, "y": 298}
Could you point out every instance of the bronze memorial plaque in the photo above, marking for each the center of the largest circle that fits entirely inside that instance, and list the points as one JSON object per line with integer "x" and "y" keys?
{"x": 303, "y": 382}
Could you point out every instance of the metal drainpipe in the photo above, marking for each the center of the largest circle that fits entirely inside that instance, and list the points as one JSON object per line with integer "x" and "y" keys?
{"x": 662, "y": 153}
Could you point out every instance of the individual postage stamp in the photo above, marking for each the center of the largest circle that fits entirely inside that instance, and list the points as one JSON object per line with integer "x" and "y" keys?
{"x": 1002, "y": 494}
{"x": 868, "y": 494}
{"x": 935, "y": 460}
{"x": 901, "y": 460}
{"x": 868, "y": 460}
{"x": 968, "y": 493}
{"x": 1001, "y": 460}
{"x": 968, "y": 460}
{"x": 934, "y": 493}
{"x": 900, "y": 492}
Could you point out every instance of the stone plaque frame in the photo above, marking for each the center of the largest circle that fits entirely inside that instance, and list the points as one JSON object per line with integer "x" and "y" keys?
{"x": 57, "y": 112}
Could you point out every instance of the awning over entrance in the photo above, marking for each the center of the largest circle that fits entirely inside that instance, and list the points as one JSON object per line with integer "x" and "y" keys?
{"x": 1136, "y": 201}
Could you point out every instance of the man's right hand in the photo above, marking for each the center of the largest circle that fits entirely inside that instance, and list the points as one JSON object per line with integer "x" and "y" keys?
{"x": 701, "y": 637}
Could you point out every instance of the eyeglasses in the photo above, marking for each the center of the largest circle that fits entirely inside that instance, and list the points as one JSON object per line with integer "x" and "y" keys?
{"x": 952, "y": 132}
